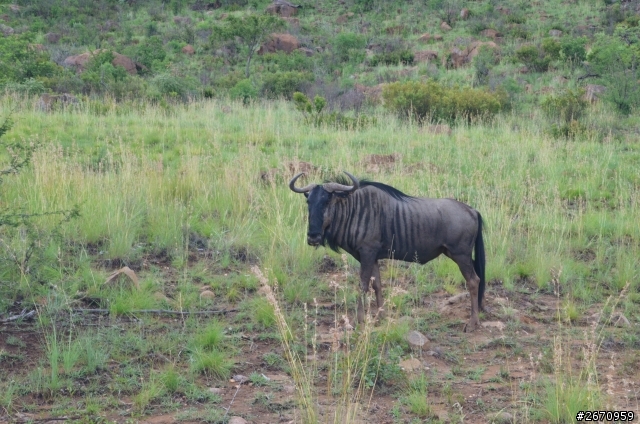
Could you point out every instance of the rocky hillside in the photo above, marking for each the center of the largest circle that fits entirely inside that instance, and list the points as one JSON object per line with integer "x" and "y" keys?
{"x": 343, "y": 50}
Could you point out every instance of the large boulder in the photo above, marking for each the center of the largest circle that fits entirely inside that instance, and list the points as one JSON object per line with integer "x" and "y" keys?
{"x": 594, "y": 92}
{"x": 458, "y": 58}
{"x": 182, "y": 20}
{"x": 490, "y": 33}
{"x": 6, "y": 30}
{"x": 52, "y": 37}
{"x": 48, "y": 101}
{"x": 474, "y": 48}
{"x": 280, "y": 42}
{"x": 425, "y": 56}
{"x": 79, "y": 62}
{"x": 283, "y": 8}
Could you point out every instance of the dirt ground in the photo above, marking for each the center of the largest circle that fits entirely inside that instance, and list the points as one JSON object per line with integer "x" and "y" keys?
{"x": 472, "y": 377}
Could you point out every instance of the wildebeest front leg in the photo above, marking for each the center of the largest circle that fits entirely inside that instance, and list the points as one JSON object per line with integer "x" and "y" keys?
{"x": 377, "y": 287}
{"x": 366, "y": 271}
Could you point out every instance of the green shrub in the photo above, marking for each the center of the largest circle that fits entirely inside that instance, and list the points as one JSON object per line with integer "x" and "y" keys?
{"x": 565, "y": 111}
{"x": 151, "y": 52}
{"x": 244, "y": 90}
{"x": 404, "y": 57}
{"x": 284, "y": 84}
{"x": 552, "y": 47}
{"x": 170, "y": 85}
{"x": 280, "y": 61}
{"x": 565, "y": 107}
{"x": 429, "y": 100}
{"x": 616, "y": 63}
{"x": 534, "y": 58}
{"x": 483, "y": 63}
{"x": 19, "y": 61}
{"x": 314, "y": 114}
{"x": 30, "y": 86}
{"x": 573, "y": 49}
{"x": 349, "y": 46}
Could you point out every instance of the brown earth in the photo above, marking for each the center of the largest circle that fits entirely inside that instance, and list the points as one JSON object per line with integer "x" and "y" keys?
{"x": 472, "y": 375}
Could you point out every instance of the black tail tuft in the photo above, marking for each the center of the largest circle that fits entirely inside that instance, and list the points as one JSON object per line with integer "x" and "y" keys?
{"x": 479, "y": 261}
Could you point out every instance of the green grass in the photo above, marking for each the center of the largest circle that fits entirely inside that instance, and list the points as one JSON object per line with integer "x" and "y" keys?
{"x": 558, "y": 213}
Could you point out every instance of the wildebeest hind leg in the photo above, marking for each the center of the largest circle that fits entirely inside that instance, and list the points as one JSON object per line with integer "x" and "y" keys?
{"x": 473, "y": 282}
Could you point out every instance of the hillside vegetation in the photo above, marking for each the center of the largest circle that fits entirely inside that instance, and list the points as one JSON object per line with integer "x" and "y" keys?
{"x": 345, "y": 51}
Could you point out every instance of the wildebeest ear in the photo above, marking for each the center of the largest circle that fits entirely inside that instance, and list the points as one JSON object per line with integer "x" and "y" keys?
{"x": 306, "y": 195}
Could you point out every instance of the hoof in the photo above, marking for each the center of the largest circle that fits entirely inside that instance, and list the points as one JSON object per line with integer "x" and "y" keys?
{"x": 471, "y": 325}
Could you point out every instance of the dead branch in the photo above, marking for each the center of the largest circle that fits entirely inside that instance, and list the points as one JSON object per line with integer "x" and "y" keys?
{"x": 22, "y": 315}
{"x": 158, "y": 311}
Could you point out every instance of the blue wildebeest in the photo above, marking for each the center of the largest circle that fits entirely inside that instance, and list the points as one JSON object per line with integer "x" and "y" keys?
{"x": 373, "y": 221}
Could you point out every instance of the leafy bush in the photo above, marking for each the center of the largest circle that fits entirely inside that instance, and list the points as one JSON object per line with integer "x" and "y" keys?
{"x": 616, "y": 63}
{"x": 314, "y": 114}
{"x": 404, "y": 57}
{"x": 170, "y": 85}
{"x": 430, "y": 100}
{"x": 280, "y": 61}
{"x": 566, "y": 110}
{"x": 244, "y": 90}
{"x": 30, "y": 86}
{"x": 565, "y": 107}
{"x": 19, "y": 61}
{"x": 483, "y": 63}
{"x": 349, "y": 46}
{"x": 284, "y": 84}
{"x": 151, "y": 51}
{"x": 533, "y": 58}
{"x": 573, "y": 49}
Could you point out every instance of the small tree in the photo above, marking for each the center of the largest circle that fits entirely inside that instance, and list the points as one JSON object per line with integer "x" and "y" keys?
{"x": 251, "y": 30}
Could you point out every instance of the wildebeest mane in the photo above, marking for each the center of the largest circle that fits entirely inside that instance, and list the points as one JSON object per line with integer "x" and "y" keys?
{"x": 391, "y": 191}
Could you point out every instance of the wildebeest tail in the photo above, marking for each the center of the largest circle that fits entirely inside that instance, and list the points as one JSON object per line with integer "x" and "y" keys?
{"x": 479, "y": 260}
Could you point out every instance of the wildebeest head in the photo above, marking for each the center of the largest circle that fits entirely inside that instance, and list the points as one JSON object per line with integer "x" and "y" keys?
{"x": 318, "y": 199}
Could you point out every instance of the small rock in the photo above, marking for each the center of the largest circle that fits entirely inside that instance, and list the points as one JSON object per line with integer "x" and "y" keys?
{"x": 207, "y": 294}
{"x": 290, "y": 389}
{"x": 620, "y": 320}
{"x": 425, "y": 38}
{"x": 555, "y": 33}
{"x": 216, "y": 390}
{"x": 239, "y": 378}
{"x": 445, "y": 26}
{"x": 502, "y": 417}
{"x": 490, "y": 33}
{"x": 594, "y": 92}
{"x": 416, "y": 339}
{"x": 457, "y": 298}
{"x": 440, "y": 129}
{"x": 14, "y": 7}
{"x": 237, "y": 420}
{"x": 438, "y": 37}
{"x": 494, "y": 324}
{"x": 410, "y": 365}
{"x": 464, "y": 13}
{"x": 188, "y": 49}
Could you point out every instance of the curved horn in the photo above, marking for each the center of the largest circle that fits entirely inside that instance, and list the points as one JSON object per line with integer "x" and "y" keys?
{"x": 331, "y": 187}
{"x": 292, "y": 185}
